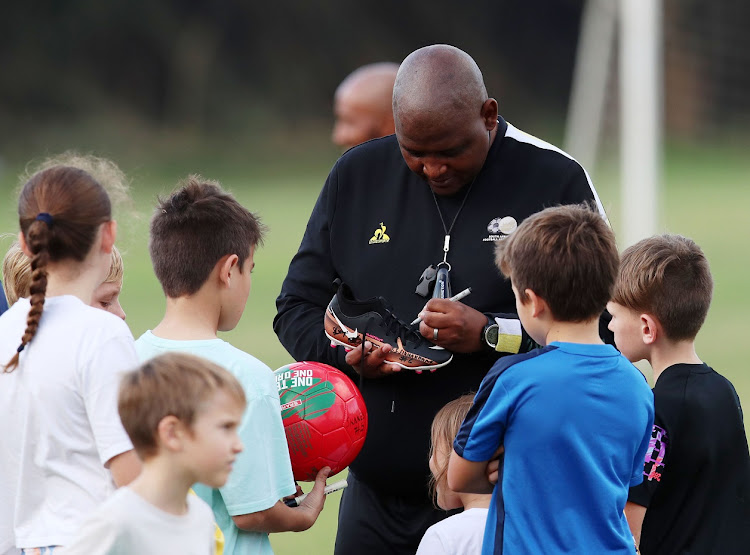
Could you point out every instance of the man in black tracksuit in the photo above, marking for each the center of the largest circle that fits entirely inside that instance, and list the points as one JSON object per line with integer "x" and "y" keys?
{"x": 453, "y": 168}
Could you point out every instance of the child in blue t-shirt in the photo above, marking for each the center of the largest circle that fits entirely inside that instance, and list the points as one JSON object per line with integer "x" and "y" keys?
{"x": 574, "y": 417}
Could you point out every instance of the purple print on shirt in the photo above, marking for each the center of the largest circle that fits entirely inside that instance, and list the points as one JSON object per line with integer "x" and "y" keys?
{"x": 657, "y": 448}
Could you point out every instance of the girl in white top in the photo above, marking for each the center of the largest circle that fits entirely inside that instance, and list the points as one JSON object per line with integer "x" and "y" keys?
{"x": 63, "y": 446}
{"x": 460, "y": 534}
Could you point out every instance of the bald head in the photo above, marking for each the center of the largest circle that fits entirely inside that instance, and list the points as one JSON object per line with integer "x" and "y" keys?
{"x": 445, "y": 124}
{"x": 438, "y": 79}
{"x": 362, "y": 105}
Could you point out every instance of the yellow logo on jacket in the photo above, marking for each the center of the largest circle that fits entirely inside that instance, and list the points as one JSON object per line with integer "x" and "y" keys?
{"x": 380, "y": 236}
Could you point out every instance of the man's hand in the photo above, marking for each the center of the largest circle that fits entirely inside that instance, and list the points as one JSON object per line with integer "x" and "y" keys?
{"x": 459, "y": 326}
{"x": 371, "y": 363}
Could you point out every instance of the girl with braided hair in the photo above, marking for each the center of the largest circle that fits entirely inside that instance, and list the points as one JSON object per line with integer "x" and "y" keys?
{"x": 63, "y": 445}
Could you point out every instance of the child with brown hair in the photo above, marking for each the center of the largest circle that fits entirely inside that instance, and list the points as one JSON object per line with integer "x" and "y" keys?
{"x": 63, "y": 442}
{"x": 574, "y": 417}
{"x": 182, "y": 413}
{"x": 695, "y": 495}
{"x": 17, "y": 276}
{"x": 202, "y": 245}
{"x": 460, "y": 534}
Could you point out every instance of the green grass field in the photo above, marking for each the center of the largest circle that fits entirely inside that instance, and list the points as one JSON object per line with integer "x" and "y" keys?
{"x": 706, "y": 196}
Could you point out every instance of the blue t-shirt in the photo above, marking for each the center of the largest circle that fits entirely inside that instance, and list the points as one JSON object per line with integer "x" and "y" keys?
{"x": 575, "y": 421}
{"x": 262, "y": 473}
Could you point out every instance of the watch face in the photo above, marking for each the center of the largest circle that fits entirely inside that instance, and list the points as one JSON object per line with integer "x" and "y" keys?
{"x": 490, "y": 335}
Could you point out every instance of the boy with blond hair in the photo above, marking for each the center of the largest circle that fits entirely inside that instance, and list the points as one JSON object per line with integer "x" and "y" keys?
{"x": 17, "y": 276}
{"x": 182, "y": 413}
{"x": 574, "y": 417}
{"x": 16, "y": 273}
{"x": 202, "y": 244}
{"x": 695, "y": 496}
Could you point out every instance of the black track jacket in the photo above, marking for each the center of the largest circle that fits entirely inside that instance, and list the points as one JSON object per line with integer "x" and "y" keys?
{"x": 371, "y": 188}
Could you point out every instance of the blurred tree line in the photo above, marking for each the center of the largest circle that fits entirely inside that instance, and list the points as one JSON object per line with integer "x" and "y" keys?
{"x": 212, "y": 66}
{"x": 234, "y": 68}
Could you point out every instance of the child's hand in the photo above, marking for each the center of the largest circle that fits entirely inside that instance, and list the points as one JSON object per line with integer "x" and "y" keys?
{"x": 316, "y": 498}
{"x": 493, "y": 466}
{"x": 295, "y": 494}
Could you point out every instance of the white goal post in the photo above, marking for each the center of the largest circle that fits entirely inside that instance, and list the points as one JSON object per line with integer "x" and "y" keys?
{"x": 640, "y": 85}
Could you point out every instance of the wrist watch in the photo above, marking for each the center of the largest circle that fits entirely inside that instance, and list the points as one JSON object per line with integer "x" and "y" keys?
{"x": 490, "y": 333}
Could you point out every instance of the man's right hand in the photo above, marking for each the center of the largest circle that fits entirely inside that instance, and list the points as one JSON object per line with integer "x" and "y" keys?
{"x": 370, "y": 361}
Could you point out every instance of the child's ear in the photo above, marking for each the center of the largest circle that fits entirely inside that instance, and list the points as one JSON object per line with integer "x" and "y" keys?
{"x": 538, "y": 304}
{"x": 109, "y": 234}
{"x": 170, "y": 432}
{"x": 226, "y": 265}
{"x": 649, "y": 329}
{"x": 24, "y": 246}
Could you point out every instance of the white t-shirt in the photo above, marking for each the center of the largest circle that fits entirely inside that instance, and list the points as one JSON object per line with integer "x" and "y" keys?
{"x": 460, "y": 534}
{"x": 262, "y": 473}
{"x": 127, "y": 524}
{"x": 58, "y": 418}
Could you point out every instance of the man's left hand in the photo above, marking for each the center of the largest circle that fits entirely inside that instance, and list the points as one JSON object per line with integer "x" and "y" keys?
{"x": 458, "y": 326}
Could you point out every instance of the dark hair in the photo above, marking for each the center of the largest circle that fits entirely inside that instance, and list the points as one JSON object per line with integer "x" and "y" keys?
{"x": 567, "y": 255}
{"x": 193, "y": 229}
{"x": 173, "y": 384}
{"x": 667, "y": 276}
{"x": 60, "y": 210}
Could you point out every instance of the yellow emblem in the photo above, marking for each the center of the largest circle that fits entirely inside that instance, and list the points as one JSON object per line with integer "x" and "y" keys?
{"x": 380, "y": 236}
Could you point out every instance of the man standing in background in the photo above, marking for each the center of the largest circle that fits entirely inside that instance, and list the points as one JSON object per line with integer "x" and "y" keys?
{"x": 362, "y": 105}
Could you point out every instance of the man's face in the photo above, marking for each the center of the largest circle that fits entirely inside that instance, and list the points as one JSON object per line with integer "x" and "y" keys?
{"x": 448, "y": 151}
{"x": 356, "y": 120}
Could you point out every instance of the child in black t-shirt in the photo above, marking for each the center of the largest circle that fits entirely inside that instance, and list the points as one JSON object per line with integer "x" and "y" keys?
{"x": 695, "y": 496}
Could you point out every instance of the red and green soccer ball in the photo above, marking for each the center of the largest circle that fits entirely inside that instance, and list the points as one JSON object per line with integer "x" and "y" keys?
{"x": 324, "y": 417}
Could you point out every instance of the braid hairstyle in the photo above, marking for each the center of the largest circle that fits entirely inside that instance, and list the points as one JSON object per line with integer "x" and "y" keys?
{"x": 60, "y": 210}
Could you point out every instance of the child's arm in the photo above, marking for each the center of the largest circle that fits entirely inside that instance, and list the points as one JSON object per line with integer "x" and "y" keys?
{"x": 124, "y": 467}
{"x": 282, "y": 518}
{"x": 635, "y": 514}
{"x": 468, "y": 476}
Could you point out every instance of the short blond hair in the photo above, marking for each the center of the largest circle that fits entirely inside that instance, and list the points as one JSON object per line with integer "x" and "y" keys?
{"x": 17, "y": 272}
{"x": 116, "y": 268}
{"x": 172, "y": 384}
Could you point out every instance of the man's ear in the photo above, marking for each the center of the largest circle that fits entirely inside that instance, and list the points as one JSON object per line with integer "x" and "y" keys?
{"x": 226, "y": 265}
{"x": 170, "y": 433}
{"x": 649, "y": 329}
{"x": 489, "y": 114}
{"x": 538, "y": 304}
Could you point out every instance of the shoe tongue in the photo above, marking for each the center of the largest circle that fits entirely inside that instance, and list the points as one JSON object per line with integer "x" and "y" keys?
{"x": 372, "y": 304}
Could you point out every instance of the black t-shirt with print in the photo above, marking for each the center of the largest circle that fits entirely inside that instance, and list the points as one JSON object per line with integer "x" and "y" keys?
{"x": 696, "y": 481}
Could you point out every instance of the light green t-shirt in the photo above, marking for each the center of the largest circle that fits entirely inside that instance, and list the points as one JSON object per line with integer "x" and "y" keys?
{"x": 262, "y": 473}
